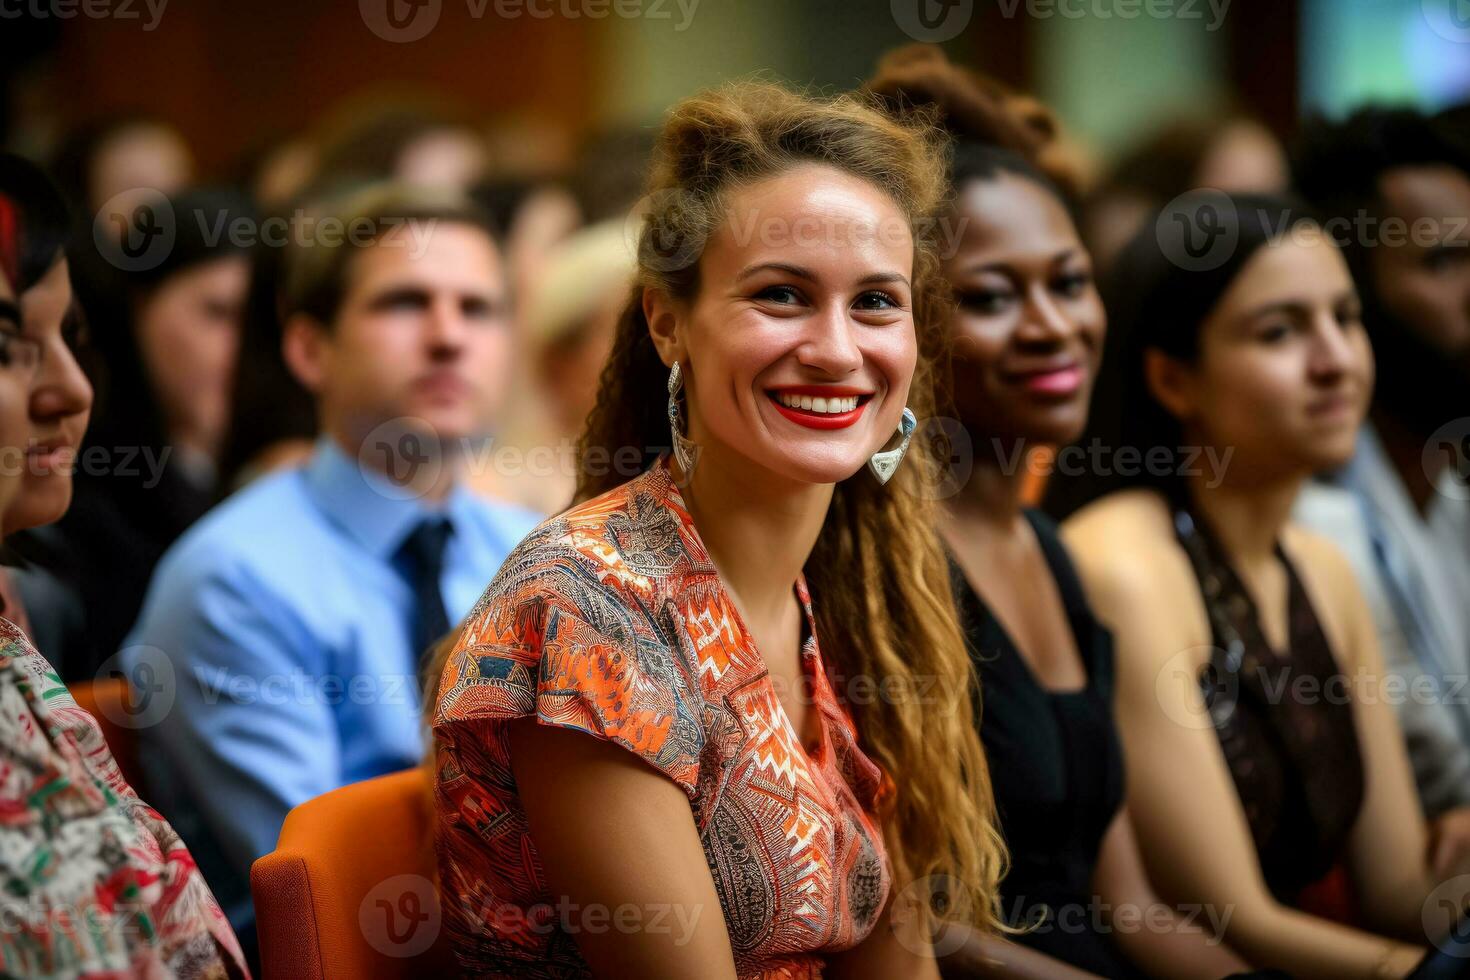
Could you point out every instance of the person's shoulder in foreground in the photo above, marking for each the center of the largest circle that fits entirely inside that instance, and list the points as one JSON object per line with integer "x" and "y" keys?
{"x": 99, "y": 883}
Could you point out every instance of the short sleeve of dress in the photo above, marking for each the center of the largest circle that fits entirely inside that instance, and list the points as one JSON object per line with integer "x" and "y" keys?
{"x": 531, "y": 650}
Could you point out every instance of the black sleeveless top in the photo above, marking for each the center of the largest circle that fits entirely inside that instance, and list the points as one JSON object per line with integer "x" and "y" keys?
{"x": 1284, "y": 720}
{"x": 1056, "y": 765}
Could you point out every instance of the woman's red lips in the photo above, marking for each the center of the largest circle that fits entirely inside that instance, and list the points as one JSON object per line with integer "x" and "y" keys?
{"x": 814, "y": 419}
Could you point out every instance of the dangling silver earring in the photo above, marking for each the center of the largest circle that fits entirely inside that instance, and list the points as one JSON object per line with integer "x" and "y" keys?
{"x": 885, "y": 464}
{"x": 685, "y": 450}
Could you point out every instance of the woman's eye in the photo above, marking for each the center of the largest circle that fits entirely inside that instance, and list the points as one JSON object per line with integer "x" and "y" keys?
{"x": 1073, "y": 285}
{"x": 1274, "y": 332}
{"x": 779, "y": 294}
{"x": 876, "y": 300}
{"x": 1445, "y": 257}
{"x": 983, "y": 301}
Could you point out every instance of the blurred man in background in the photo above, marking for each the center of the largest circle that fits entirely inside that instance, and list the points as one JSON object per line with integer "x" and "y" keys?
{"x": 293, "y": 617}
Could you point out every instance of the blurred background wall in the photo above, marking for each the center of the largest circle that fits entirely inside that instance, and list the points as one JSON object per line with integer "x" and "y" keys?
{"x": 229, "y": 74}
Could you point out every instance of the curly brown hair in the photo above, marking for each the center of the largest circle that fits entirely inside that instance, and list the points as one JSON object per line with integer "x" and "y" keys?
{"x": 976, "y": 109}
{"x": 878, "y": 577}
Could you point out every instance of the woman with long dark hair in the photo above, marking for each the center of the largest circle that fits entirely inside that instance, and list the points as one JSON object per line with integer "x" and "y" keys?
{"x": 167, "y": 342}
{"x": 1269, "y": 776}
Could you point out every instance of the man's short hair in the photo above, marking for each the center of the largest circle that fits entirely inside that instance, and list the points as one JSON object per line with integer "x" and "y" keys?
{"x": 317, "y": 265}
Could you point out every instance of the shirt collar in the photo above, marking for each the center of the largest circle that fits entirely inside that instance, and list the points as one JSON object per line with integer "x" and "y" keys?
{"x": 376, "y": 512}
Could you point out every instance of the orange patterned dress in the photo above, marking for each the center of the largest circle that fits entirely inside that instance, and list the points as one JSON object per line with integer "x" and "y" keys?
{"x": 611, "y": 619}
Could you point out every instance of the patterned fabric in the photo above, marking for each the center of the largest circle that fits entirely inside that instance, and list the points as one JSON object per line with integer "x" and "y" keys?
{"x": 1296, "y": 762}
{"x": 96, "y": 883}
{"x": 611, "y": 620}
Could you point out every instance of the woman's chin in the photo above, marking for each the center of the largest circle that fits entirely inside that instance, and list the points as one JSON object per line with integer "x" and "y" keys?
{"x": 802, "y": 465}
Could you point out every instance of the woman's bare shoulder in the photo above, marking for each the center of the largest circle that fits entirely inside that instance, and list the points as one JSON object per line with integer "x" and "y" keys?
{"x": 1332, "y": 585}
{"x": 1131, "y": 563}
{"x": 1129, "y": 532}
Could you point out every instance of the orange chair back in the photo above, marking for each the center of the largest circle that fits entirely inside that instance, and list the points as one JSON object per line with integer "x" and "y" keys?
{"x": 349, "y": 891}
{"x": 107, "y": 700}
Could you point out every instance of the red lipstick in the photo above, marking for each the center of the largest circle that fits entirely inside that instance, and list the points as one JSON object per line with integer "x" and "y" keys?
{"x": 812, "y": 419}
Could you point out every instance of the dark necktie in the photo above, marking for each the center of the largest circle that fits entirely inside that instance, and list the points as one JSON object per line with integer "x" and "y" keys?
{"x": 423, "y": 556}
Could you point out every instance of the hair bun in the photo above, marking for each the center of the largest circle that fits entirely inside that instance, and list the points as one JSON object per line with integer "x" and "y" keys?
{"x": 970, "y": 106}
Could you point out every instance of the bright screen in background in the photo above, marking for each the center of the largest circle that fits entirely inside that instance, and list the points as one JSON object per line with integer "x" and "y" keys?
{"x": 1396, "y": 51}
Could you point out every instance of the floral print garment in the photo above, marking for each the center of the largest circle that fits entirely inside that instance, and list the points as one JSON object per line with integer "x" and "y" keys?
{"x": 611, "y": 620}
{"x": 96, "y": 883}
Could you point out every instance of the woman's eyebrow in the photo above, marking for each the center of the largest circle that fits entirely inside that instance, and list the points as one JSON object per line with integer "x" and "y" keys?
{"x": 1002, "y": 263}
{"x": 793, "y": 270}
{"x": 802, "y": 273}
{"x": 10, "y": 312}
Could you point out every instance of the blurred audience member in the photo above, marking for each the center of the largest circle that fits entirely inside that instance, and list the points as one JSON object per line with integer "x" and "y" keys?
{"x": 277, "y": 171}
{"x": 1027, "y": 339}
{"x": 1231, "y": 154}
{"x": 611, "y": 171}
{"x": 168, "y": 348}
{"x": 101, "y": 161}
{"x": 570, "y": 319}
{"x": 105, "y": 168}
{"x": 532, "y": 218}
{"x": 1397, "y": 195}
{"x": 1268, "y": 774}
{"x": 272, "y": 415}
{"x": 403, "y": 140}
{"x": 293, "y": 616}
{"x": 97, "y": 883}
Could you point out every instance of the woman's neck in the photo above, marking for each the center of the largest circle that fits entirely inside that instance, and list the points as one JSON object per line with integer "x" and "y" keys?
{"x": 993, "y": 495}
{"x": 759, "y": 528}
{"x": 1247, "y": 518}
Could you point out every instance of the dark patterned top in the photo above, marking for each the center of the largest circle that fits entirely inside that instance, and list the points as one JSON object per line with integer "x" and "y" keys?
{"x": 96, "y": 883}
{"x": 611, "y": 619}
{"x": 1295, "y": 759}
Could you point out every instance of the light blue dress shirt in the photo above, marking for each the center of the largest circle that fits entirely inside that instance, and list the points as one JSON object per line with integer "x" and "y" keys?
{"x": 286, "y": 621}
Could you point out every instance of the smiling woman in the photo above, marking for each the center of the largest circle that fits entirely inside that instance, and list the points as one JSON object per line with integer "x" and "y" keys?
{"x": 640, "y": 698}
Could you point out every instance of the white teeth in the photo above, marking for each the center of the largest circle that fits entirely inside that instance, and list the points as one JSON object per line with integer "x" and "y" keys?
{"x": 827, "y": 406}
